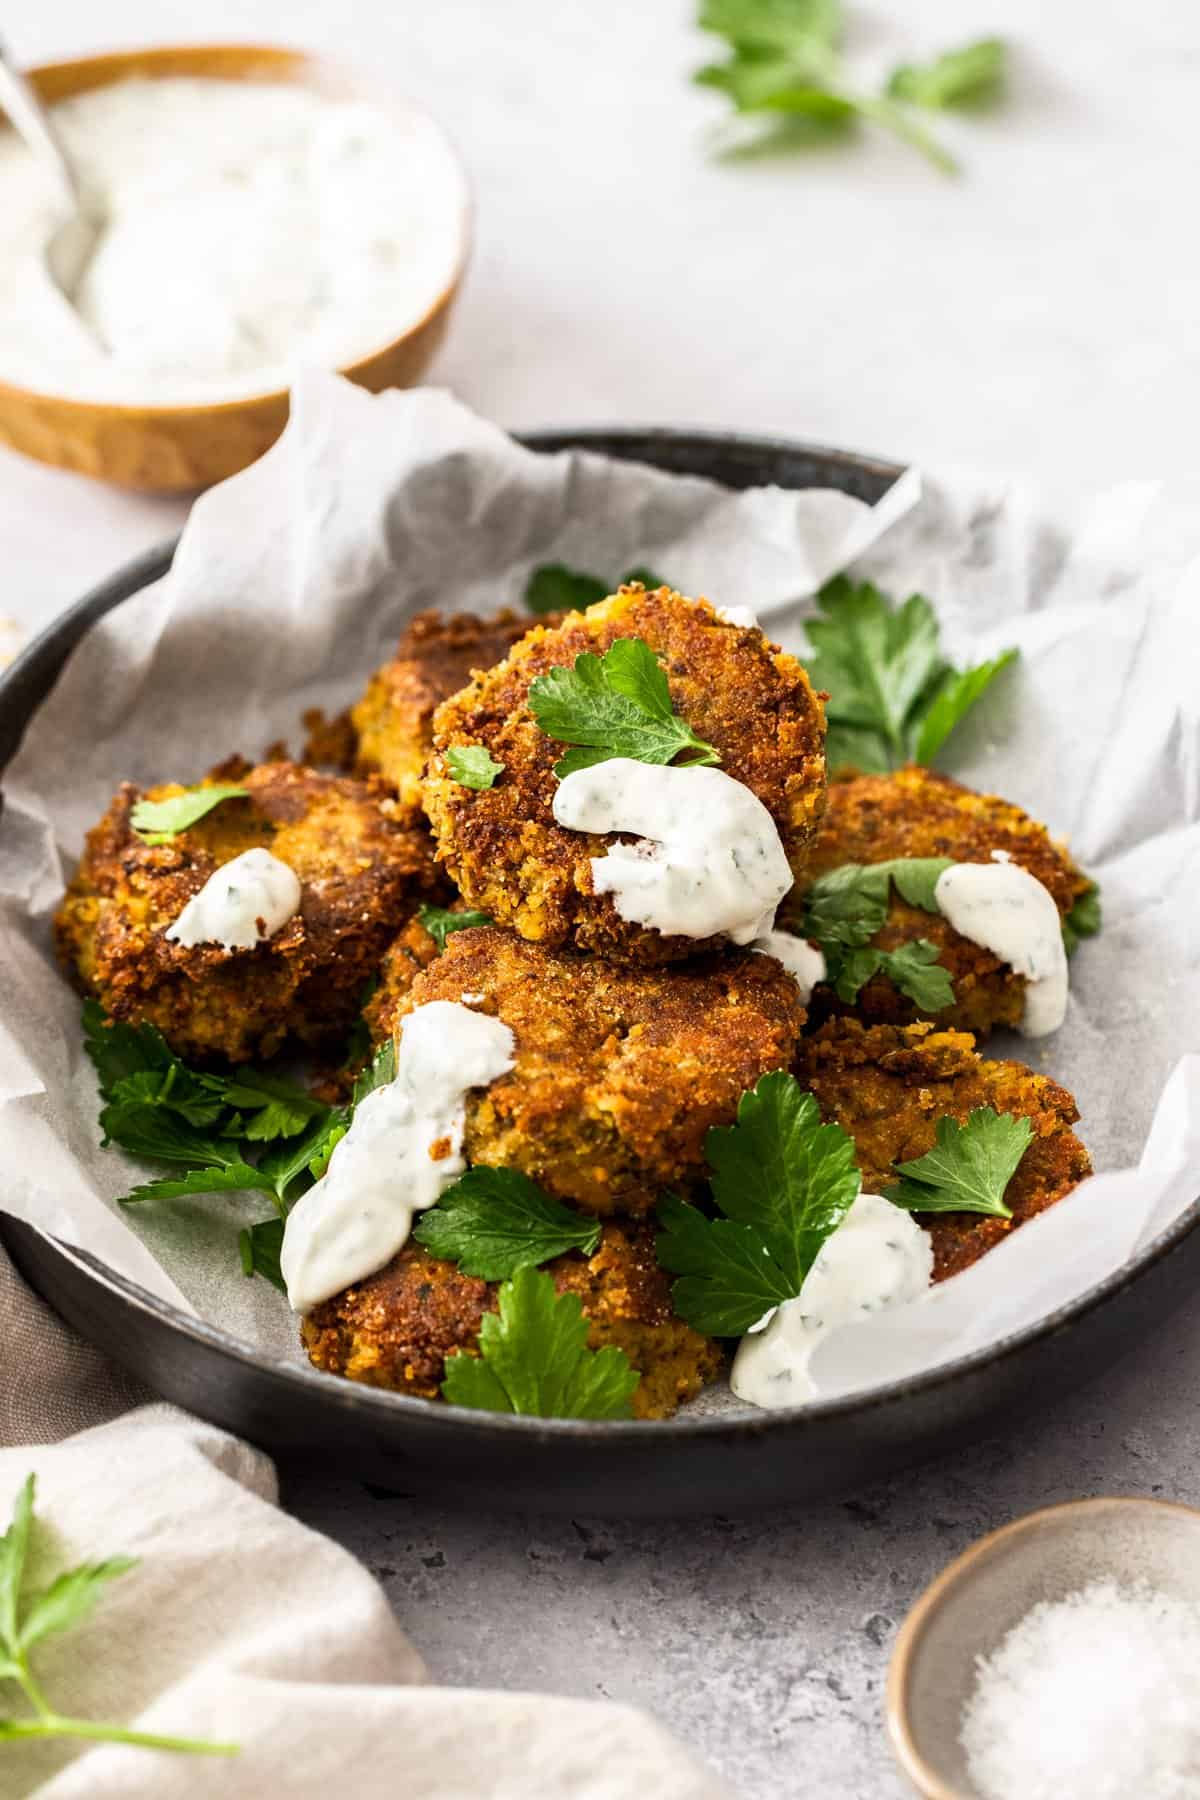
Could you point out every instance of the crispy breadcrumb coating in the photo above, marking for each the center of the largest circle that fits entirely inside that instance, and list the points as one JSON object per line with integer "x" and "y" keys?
{"x": 619, "y": 1072}
{"x": 396, "y": 1328}
{"x": 502, "y": 845}
{"x": 915, "y": 812}
{"x": 889, "y": 1085}
{"x": 362, "y": 870}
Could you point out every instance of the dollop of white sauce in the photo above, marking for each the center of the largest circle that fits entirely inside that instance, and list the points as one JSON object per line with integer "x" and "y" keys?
{"x": 744, "y": 616}
{"x": 1002, "y": 907}
{"x": 242, "y": 903}
{"x": 403, "y": 1149}
{"x": 877, "y": 1257}
{"x": 708, "y": 859}
{"x": 800, "y": 958}
{"x": 251, "y": 228}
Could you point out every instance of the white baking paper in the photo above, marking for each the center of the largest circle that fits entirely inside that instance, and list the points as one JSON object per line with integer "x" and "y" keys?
{"x": 295, "y": 578}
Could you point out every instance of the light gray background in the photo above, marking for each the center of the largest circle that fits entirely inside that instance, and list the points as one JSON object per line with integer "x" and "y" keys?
{"x": 1040, "y": 315}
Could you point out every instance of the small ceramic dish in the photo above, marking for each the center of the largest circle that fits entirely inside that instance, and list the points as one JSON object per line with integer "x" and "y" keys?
{"x": 176, "y": 449}
{"x": 974, "y": 1603}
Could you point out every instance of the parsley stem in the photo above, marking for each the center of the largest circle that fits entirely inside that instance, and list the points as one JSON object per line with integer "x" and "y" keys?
{"x": 48, "y": 1723}
{"x": 51, "y": 1725}
{"x": 894, "y": 118}
{"x": 31, "y": 1690}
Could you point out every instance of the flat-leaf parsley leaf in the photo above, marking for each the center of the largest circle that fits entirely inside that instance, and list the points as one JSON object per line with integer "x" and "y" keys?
{"x": 913, "y": 968}
{"x": 471, "y": 765}
{"x": 969, "y": 1167}
{"x": 956, "y": 78}
{"x": 615, "y": 705}
{"x": 28, "y": 1619}
{"x": 894, "y": 697}
{"x": 1084, "y": 918}
{"x": 492, "y": 1222}
{"x": 234, "y": 1177}
{"x": 211, "y": 1126}
{"x": 158, "y": 821}
{"x": 261, "y": 1247}
{"x": 845, "y": 907}
{"x": 783, "y": 1182}
{"x": 849, "y": 904}
{"x": 533, "y": 1359}
{"x": 555, "y": 588}
{"x": 440, "y": 921}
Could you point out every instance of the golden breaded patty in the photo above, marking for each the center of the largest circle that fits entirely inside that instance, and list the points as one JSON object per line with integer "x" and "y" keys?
{"x": 889, "y": 1085}
{"x": 502, "y": 845}
{"x": 619, "y": 1073}
{"x": 406, "y": 956}
{"x": 915, "y": 812}
{"x": 396, "y": 1329}
{"x": 392, "y": 725}
{"x": 362, "y": 872}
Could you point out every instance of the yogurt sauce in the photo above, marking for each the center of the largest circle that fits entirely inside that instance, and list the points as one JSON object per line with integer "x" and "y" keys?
{"x": 1002, "y": 907}
{"x": 708, "y": 858}
{"x": 251, "y": 227}
{"x": 739, "y": 615}
{"x": 402, "y": 1150}
{"x": 242, "y": 903}
{"x": 798, "y": 956}
{"x": 878, "y": 1257}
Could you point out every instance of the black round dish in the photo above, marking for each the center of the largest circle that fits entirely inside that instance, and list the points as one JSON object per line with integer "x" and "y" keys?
{"x": 685, "y": 1465}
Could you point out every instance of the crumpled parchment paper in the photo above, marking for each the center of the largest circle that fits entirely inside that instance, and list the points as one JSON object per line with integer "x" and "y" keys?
{"x": 292, "y": 583}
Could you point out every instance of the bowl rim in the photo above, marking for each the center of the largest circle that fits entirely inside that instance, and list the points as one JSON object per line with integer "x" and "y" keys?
{"x": 930, "y": 1601}
{"x": 379, "y": 1403}
{"x": 300, "y": 64}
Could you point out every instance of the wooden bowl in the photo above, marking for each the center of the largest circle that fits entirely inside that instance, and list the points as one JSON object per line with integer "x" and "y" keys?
{"x": 174, "y": 449}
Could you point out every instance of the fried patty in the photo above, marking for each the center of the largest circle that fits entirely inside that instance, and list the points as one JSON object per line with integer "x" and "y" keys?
{"x": 915, "y": 812}
{"x": 502, "y": 845}
{"x": 889, "y": 1085}
{"x": 362, "y": 870}
{"x": 619, "y": 1073}
{"x": 392, "y": 725}
{"x": 396, "y": 1329}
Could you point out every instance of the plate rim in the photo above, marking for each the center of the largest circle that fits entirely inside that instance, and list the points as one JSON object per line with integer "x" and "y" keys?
{"x": 38, "y": 667}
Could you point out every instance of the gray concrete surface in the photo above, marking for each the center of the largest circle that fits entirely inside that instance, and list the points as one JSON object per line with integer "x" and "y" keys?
{"x": 762, "y": 1642}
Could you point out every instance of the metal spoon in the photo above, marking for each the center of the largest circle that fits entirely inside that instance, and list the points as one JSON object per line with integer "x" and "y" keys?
{"x": 74, "y": 240}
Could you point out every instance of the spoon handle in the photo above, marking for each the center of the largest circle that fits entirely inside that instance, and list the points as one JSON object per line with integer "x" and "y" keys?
{"x": 30, "y": 118}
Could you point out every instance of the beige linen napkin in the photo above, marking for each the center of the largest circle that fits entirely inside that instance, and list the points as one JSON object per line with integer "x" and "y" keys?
{"x": 241, "y": 1624}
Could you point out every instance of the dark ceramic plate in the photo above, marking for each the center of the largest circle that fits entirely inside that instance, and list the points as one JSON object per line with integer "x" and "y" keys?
{"x": 696, "y": 1464}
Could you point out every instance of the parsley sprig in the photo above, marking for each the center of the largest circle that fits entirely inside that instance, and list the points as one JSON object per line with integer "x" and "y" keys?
{"x": 441, "y": 921}
{"x": 845, "y": 907}
{"x": 28, "y": 1618}
{"x": 158, "y": 821}
{"x": 242, "y": 1132}
{"x": 533, "y": 1359}
{"x": 617, "y": 704}
{"x": 782, "y": 1182}
{"x": 894, "y": 697}
{"x": 492, "y": 1222}
{"x": 969, "y": 1167}
{"x": 555, "y": 588}
{"x": 784, "y": 64}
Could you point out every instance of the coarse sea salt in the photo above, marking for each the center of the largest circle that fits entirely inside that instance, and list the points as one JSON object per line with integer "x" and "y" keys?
{"x": 1095, "y": 1695}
